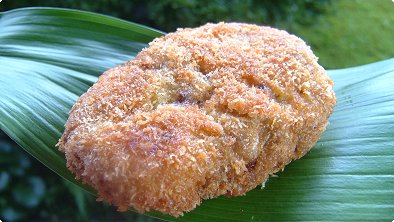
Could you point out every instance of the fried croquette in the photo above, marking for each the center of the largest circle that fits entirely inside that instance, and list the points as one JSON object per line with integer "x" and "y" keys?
{"x": 201, "y": 112}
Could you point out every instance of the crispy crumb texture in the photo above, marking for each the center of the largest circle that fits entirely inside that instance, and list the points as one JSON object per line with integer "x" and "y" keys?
{"x": 200, "y": 113}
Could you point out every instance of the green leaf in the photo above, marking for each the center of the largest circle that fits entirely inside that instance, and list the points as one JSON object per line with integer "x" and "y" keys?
{"x": 79, "y": 198}
{"x": 48, "y": 57}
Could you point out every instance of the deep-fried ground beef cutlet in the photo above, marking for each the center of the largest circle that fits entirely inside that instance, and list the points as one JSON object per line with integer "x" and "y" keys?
{"x": 202, "y": 112}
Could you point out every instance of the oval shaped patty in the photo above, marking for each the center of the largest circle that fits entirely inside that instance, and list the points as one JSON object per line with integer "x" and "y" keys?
{"x": 200, "y": 113}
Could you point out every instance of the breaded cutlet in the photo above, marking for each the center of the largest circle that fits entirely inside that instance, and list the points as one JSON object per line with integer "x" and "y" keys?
{"x": 201, "y": 112}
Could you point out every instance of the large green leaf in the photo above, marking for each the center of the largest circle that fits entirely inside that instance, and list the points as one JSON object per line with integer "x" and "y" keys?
{"x": 48, "y": 57}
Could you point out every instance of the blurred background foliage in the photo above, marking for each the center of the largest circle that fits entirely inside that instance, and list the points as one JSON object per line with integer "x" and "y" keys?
{"x": 167, "y": 15}
{"x": 342, "y": 33}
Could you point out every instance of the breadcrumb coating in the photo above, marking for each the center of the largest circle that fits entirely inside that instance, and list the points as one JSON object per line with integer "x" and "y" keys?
{"x": 200, "y": 113}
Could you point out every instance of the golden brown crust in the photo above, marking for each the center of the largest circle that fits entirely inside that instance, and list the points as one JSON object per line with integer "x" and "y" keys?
{"x": 200, "y": 113}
